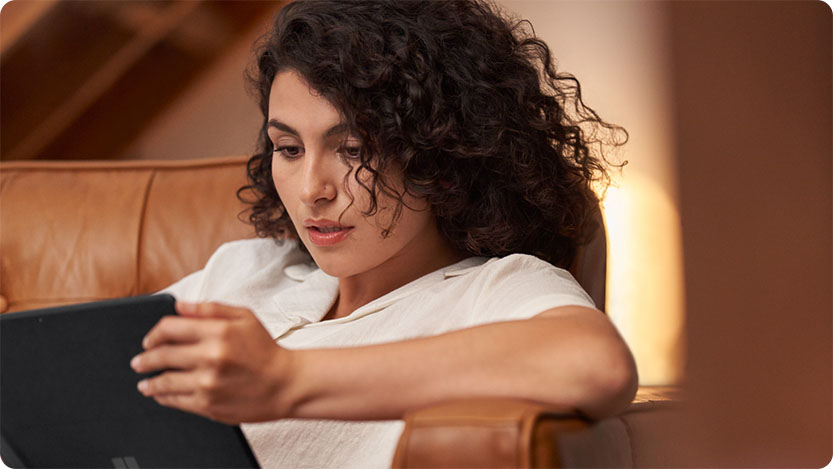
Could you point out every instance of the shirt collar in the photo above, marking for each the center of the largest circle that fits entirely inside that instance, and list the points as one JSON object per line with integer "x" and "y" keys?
{"x": 455, "y": 270}
{"x": 303, "y": 303}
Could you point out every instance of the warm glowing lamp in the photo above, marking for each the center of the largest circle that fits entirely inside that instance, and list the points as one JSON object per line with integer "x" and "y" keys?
{"x": 644, "y": 275}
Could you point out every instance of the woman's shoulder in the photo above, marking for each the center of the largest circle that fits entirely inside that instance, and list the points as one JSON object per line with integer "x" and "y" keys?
{"x": 522, "y": 265}
{"x": 255, "y": 254}
{"x": 256, "y": 245}
{"x": 519, "y": 278}
{"x": 236, "y": 267}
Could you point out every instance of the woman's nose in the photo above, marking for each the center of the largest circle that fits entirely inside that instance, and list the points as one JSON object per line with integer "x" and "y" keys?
{"x": 319, "y": 180}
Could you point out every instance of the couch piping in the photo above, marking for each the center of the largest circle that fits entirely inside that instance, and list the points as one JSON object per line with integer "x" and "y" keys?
{"x": 110, "y": 165}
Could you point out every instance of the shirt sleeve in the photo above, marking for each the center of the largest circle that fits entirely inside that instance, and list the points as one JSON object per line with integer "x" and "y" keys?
{"x": 238, "y": 271}
{"x": 187, "y": 288}
{"x": 192, "y": 286}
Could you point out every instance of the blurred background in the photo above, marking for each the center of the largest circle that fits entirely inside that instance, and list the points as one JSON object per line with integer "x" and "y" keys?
{"x": 127, "y": 79}
{"x": 719, "y": 225}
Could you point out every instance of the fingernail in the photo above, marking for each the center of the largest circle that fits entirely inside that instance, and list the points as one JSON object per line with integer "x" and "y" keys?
{"x": 134, "y": 363}
{"x": 145, "y": 342}
{"x": 143, "y": 386}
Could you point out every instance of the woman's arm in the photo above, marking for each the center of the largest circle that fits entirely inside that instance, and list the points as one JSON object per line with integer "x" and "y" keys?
{"x": 231, "y": 370}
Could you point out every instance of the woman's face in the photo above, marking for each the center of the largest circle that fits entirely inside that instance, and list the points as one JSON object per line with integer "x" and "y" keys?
{"x": 313, "y": 154}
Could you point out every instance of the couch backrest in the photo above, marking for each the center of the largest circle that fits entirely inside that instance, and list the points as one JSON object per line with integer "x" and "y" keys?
{"x": 82, "y": 231}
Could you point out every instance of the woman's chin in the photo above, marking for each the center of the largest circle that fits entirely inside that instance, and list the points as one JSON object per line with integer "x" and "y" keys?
{"x": 334, "y": 264}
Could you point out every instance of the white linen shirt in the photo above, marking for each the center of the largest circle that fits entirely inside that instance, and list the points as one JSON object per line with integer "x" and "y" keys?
{"x": 290, "y": 296}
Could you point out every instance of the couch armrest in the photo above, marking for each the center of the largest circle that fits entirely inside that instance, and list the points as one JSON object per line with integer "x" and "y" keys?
{"x": 481, "y": 433}
{"x": 517, "y": 433}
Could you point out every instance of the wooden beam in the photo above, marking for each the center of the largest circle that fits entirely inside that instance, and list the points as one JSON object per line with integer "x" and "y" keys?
{"x": 17, "y": 18}
{"x": 102, "y": 80}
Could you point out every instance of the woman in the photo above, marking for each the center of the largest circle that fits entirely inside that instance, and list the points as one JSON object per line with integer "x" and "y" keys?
{"x": 422, "y": 171}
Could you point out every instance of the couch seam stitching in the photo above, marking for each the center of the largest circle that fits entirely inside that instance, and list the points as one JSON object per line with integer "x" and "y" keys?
{"x": 140, "y": 237}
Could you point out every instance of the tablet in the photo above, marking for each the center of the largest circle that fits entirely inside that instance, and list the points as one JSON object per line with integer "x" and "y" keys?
{"x": 68, "y": 396}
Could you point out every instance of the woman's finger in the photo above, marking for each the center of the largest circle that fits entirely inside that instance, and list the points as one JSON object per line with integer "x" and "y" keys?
{"x": 210, "y": 310}
{"x": 177, "y": 329}
{"x": 170, "y": 382}
{"x": 162, "y": 357}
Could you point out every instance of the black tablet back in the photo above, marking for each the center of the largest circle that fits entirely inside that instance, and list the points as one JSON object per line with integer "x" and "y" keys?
{"x": 68, "y": 396}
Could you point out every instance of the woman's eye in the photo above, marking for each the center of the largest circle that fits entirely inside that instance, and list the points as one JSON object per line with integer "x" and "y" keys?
{"x": 290, "y": 152}
{"x": 351, "y": 152}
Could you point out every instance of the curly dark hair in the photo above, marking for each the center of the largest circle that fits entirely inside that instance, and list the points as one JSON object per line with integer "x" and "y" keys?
{"x": 465, "y": 101}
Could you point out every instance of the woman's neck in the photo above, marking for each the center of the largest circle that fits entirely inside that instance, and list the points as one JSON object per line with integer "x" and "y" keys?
{"x": 423, "y": 256}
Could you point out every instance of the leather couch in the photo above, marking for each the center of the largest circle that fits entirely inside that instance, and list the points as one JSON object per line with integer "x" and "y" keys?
{"x": 82, "y": 231}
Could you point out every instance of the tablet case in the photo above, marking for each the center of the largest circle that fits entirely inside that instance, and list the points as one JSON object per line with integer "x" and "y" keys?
{"x": 68, "y": 396}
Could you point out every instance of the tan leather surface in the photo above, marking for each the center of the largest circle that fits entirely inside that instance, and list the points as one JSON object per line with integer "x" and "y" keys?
{"x": 64, "y": 237}
{"x": 515, "y": 433}
{"x": 544, "y": 448}
{"x": 471, "y": 433}
{"x": 190, "y": 212}
{"x": 73, "y": 232}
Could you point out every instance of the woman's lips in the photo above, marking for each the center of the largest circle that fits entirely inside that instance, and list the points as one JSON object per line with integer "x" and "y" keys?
{"x": 326, "y": 233}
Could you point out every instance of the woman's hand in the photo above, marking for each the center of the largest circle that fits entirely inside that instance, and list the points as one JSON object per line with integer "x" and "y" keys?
{"x": 219, "y": 362}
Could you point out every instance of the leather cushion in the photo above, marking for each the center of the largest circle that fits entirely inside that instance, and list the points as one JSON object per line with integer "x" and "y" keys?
{"x": 73, "y": 232}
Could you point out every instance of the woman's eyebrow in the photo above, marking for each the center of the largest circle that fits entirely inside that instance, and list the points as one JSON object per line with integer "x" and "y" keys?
{"x": 281, "y": 126}
{"x": 337, "y": 129}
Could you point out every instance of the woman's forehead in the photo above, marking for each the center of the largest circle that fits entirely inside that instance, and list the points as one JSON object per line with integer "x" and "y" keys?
{"x": 294, "y": 103}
